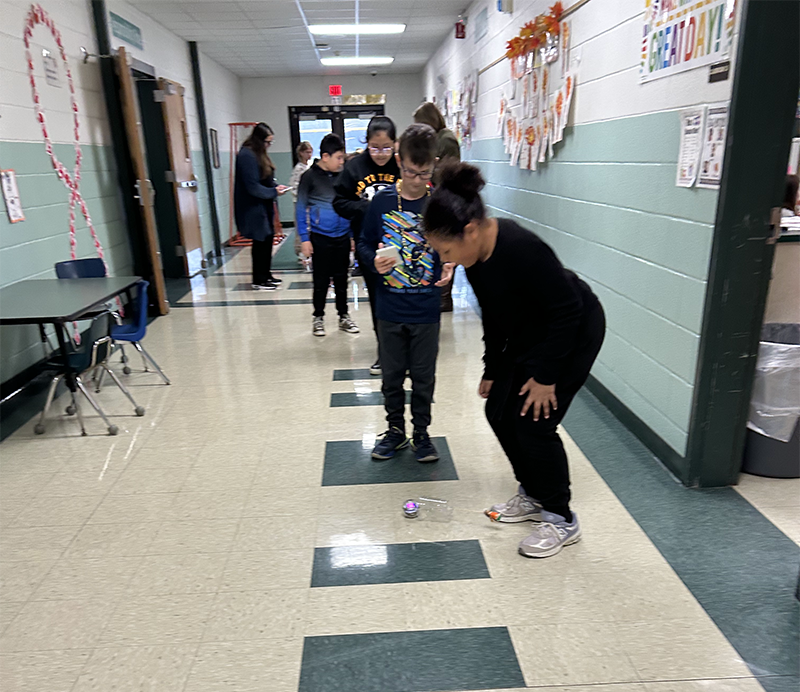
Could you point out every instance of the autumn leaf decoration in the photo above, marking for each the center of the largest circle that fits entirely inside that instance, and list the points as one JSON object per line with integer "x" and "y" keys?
{"x": 533, "y": 35}
{"x": 559, "y": 103}
{"x": 530, "y": 136}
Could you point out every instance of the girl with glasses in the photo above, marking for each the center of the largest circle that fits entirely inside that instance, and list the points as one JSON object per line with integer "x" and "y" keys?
{"x": 363, "y": 176}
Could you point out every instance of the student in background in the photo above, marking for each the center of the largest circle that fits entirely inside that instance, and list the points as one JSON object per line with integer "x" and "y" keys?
{"x": 325, "y": 234}
{"x": 304, "y": 153}
{"x": 543, "y": 328}
{"x": 447, "y": 151}
{"x": 363, "y": 176}
{"x": 407, "y": 295}
{"x": 254, "y": 195}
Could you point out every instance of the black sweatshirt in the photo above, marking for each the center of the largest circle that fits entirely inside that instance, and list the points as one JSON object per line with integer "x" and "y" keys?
{"x": 533, "y": 308}
{"x": 357, "y": 185}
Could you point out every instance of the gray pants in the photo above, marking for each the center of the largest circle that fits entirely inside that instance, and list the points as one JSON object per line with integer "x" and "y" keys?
{"x": 409, "y": 348}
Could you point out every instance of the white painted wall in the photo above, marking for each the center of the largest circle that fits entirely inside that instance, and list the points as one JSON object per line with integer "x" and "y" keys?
{"x": 268, "y": 99}
{"x": 606, "y": 43}
{"x": 169, "y": 54}
{"x": 607, "y": 202}
{"x": 17, "y": 120}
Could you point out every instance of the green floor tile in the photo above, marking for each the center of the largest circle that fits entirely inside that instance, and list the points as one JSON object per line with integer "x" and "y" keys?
{"x": 343, "y": 399}
{"x": 348, "y": 463}
{"x": 398, "y": 563}
{"x": 738, "y": 565}
{"x": 420, "y": 661}
{"x": 296, "y": 285}
{"x": 346, "y": 375}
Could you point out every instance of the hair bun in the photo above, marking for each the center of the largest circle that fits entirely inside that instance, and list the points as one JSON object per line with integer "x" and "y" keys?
{"x": 462, "y": 179}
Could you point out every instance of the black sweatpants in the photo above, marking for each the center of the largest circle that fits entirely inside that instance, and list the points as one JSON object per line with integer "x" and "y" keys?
{"x": 331, "y": 261}
{"x": 262, "y": 260}
{"x": 409, "y": 348}
{"x": 371, "y": 282}
{"x": 534, "y": 448}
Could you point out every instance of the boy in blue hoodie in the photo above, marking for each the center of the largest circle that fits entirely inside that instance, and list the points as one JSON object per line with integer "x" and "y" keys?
{"x": 325, "y": 234}
{"x": 407, "y": 299}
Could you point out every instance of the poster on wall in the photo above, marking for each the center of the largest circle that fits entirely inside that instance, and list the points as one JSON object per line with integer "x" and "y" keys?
{"x": 679, "y": 36}
{"x": 11, "y": 196}
{"x": 714, "y": 134}
{"x": 691, "y": 145}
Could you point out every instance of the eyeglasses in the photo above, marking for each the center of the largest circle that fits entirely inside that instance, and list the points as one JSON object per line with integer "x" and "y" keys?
{"x": 384, "y": 150}
{"x": 422, "y": 175}
{"x": 269, "y": 141}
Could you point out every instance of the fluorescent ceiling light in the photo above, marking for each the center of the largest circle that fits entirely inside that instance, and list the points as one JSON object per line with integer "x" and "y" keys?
{"x": 340, "y": 62}
{"x": 353, "y": 29}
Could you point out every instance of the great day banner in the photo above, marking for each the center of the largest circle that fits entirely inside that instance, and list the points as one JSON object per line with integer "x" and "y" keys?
{"x": 681, "y": 35}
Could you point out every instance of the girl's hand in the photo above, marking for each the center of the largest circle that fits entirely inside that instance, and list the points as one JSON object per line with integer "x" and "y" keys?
{"x": 447, "y": 274}
{"x": 541, "y": 396}
{"x": 282, "y": 189}
{"x": 484, "y": 388}
{"x": 307, "y": 248}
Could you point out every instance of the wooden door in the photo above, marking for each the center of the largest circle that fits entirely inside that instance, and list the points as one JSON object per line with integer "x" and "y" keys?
{"x": 182, "y": 175}
{"x": 144, "y": 188}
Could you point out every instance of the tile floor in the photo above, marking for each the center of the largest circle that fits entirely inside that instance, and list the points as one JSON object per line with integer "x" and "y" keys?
{"x": 179, "y": 556}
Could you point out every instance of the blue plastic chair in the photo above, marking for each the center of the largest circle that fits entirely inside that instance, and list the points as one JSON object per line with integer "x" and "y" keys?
{"x": 134, "y": 332}
{"x": 91, "y": 357}
{"x": 92, "y": 268}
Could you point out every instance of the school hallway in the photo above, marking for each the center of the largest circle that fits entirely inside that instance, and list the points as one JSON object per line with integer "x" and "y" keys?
{"x": 239, "y": 537}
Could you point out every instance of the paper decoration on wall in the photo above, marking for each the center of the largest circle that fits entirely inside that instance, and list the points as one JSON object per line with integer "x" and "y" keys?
{"x": 691, "y": 145}
{"x": 679, "y": 36}
{"x": 71, "y": 179}
{"x": 11, "y": 196}
{"x": 714, "y": 136}
{"x": 534, "y": 112}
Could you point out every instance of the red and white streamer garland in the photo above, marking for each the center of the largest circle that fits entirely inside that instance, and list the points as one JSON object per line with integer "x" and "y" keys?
{"x": 36, "y": 16}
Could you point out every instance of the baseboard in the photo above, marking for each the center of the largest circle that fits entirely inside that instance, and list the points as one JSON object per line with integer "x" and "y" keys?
{"x": 676, "y": 464}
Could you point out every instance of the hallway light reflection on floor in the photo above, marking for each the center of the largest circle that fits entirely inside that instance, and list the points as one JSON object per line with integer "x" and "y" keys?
{"x": 344, "y": 557}
{"x": 199, "y": 285}
{"x": 368, "y": 439}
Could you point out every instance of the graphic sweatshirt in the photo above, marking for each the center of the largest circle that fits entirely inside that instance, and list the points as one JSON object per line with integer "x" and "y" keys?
{"x": 407, "y": 294}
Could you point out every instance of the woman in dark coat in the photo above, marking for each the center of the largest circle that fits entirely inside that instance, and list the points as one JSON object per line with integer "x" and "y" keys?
{"x": 254, "y": 195}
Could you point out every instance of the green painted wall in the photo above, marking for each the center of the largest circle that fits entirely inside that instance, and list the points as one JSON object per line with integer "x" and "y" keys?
{"x": 30, "y": 248}
{"x": 608, "y": 205}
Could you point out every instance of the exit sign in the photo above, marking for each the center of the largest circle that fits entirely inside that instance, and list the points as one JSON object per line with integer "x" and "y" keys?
{"x": 335, "y": 90}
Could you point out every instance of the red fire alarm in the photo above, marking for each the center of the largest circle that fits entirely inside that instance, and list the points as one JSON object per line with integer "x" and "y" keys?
{"x": 335, "y": 90}
{"x": 461, "y": 29}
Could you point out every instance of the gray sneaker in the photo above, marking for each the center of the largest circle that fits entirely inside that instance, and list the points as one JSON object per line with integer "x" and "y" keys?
{"x": 347, "y": 325}
{"x": 549, "y": 537}
{"x": 318, "y": 326}
{"x": 519, "y": 508}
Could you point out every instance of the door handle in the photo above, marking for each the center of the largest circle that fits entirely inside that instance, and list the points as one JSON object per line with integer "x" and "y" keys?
{"x": 192, "y": 184}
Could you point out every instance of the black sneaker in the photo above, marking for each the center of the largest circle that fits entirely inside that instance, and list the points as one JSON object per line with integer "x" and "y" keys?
{"x": 423, "y": 448}
{"x": 275, "y": 280}
{"x": 393, "y": 440}
{"x": 375, "y": 368}
{"x": 269, "y": 286}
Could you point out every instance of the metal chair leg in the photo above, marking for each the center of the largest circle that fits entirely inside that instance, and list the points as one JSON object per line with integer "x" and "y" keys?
{"x": 76, "y": 406}
{"x": 112, "y": 429}
{"x": 140, "y": 411}
{"x": 39, "y": 428}
{"x": 146, "y": 355}
{"x": 98, "y": 385}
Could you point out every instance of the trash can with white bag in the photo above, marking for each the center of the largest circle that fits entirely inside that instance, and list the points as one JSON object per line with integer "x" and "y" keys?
{"x": 772, "y": 447}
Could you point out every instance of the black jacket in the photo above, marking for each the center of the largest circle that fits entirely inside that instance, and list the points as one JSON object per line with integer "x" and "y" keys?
{"x": 357, "y": 185}
{"x": 253, "y": 198}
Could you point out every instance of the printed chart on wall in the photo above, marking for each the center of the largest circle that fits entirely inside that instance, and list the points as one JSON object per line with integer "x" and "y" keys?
{"x": 680, "y": 35}
{"x": 691, "y": 145}
{"x": 714, "y": 133}
{"x": 11, "y": 196}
